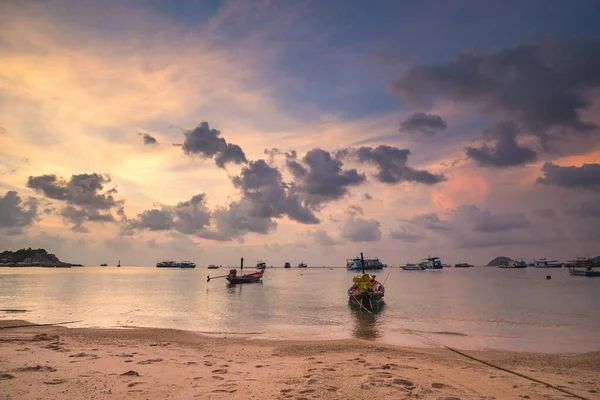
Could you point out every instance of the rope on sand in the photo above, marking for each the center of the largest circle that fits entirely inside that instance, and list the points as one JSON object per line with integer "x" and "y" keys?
{"x": 501, "y": 368}
{"x": 36, "y": 325}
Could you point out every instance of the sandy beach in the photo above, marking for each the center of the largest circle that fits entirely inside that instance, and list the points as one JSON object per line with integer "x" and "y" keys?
{"x": 52, "y": 362}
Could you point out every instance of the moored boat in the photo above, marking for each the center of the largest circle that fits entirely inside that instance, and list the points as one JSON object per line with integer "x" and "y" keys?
{"x": 235, "y": 279}
{"x": 412, "y": 267}
{"x": 104, "y": 265}
{"x": 514, "y": 264}
{"x": 463, "y": 265}
{"x": 175, "y": 264}
{"x": 211, "y": 266}
{"x": 261, "y": 265}
{"x": 287, "y": 265}
{"x": 302, "y": 265}
{"x": 543, "y": 263}
{"x": 589, "y": 272}
{"x": 356, "y": 264}
{"x": 431, "y": 263}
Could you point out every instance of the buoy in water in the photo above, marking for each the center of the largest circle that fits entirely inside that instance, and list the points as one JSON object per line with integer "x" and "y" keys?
{"x": 548, "y": 277}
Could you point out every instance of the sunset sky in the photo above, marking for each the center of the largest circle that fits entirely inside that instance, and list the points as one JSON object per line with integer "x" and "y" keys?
{"x": 300, "y": 130}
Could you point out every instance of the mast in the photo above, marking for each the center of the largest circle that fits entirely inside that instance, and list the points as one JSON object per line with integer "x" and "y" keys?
{"x": 362, "y": 263}
{"x": 242, "y": 264}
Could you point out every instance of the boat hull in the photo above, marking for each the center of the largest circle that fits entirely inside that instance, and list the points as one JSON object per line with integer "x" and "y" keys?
{"x": 579, "y": 272}
{"x": 248, "y": 278}
{"x": 212, "y": 267}
{"x": 415, "y": 268}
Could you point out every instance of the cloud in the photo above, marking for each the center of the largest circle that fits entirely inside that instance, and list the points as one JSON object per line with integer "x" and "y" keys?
{"x": 367, "y": 196}
{"x": 188, "y": 217}
{"x": 391, "y": 162}
{"x": 540, "y": 85}
{"x": 320, "y": 179}
{"x": 586, "y": 209}
{"x": 323, "y": 238}
{"x": 207, "y": 143}
{"x": 506, "y": 152}
{"x": 431, "y": 221}
{"x": 360, "y": 230}
{"x": 547, "y": 213}
{"x": 486, "y": 221}
{"x": 585, "y": 177}
{"x": 148, "y": 139}
{"x": 423, "y": 126}
{"x": 354, "y": 210}
{"x": 405, "y": 234}
{"x": 16, "y": 214}
{"x": 84, "y": 195}
{"x": 81, "y": 190}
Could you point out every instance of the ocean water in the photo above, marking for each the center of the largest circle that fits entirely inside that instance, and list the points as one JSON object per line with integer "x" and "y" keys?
{"x": 471, "y": 308}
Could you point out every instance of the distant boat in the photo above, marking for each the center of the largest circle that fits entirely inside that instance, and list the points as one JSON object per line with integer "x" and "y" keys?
{"x": 261, "y": 265}
{"x": 119, "y": 264}
{"x": 287, "y": 265}
{"x": 370, "y": 264}
{"x": 104, "y": 265}
{"x": 302, "y": 265}
{"x": 175, "y": 264}
{"x": 431, "y": 263}
{"x": 543, "y": 263}
{"x": 211, "y": 266}
{"x": 412, "y": 267}
{"x": 514, "y": 264}
{"x": 463, "y": 265}
{"x": 589, "y": 272}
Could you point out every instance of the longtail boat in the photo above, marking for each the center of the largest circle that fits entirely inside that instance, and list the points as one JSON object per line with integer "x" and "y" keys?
{"x": 366, "y": 291}
{"x": 234, "y": 278}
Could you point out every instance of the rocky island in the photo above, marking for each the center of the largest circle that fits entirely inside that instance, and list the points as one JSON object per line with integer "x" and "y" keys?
{"x": 32, "y": 258}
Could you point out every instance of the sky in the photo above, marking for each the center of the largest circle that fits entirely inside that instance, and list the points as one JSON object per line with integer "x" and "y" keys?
{"x": 301, "y": 131}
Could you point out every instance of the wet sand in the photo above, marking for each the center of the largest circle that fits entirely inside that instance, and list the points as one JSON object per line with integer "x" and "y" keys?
{"x": 50, "y": 362}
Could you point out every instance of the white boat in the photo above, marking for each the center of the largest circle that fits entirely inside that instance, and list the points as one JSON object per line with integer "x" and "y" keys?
{"x": 355, "y": 264}
{"x": 412, "y": 267}
{"x": 431, "y": 263}
{"x": 543, "y": 263}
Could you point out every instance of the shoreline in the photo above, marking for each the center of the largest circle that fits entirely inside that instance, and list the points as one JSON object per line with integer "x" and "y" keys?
{"x": 58, "y": 362}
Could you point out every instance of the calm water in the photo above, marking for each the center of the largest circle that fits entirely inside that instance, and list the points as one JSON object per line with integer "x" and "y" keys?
{"x": 471, "y": 308}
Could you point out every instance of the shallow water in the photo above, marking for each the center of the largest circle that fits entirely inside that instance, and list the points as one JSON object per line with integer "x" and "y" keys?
{"x": 472, "y": 308}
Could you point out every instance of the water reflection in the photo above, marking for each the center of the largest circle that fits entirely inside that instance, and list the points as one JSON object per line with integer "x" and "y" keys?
{"x": 366, "y": 323}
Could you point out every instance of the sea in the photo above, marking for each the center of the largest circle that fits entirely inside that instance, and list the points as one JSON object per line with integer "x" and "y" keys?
{"x": 470, "y": 308}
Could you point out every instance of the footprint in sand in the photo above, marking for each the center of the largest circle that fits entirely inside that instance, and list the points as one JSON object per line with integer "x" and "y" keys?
{"x": 151, "y": 361}
{"x": 437, "y": 385}
{"x": 6, "y": 377}
{"x": 130, "y": 373}
{"x": 55, "y": 381}
{"x": 37, "y": 368}
{"x": 220, "y": 371}
{"x": 219, "y": 378}
{"x": 132, "y": 384}
{"x": 84, "y": 355}
{"x": 123, "y": 355}
{"x": 23, "y": 349}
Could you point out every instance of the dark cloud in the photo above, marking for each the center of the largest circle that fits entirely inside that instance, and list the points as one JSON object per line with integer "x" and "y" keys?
{"x": 188, "y": 217}
{"x": 585, "y": 177}
{"x": 423, "y": 126}
{"x": 541, "y": 85}
{"x": 207, "y": 143}
{"x": 506, "y": 152}
{"x": 360, "y": 230}
{"x": 405, "y": 234}
{"x": 148, "y": 139}
{"x": 367, "y": 196}
{"x": 81, "y": 190}
{"x": 16, "y": 214}
{"x": 391, "y": 162}
{"x": 431, "y": 221}
{"x": 85, "y": 195}
{"x": 320, "y": 179}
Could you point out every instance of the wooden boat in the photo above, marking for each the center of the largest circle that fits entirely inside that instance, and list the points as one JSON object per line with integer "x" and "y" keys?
{"x": 261, "y": 265}
{"x": 235, "y": 279}
{"x": 365, "y": 292}
{"x": 412, "y": 267}
{"x": 584, "y": 272}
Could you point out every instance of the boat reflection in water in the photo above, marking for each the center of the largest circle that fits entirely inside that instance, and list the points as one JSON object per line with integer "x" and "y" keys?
{"x": 366, "y": 323}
